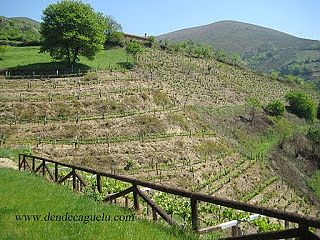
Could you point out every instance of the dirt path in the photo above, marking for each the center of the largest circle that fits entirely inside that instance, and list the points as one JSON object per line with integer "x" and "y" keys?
{"x": 8, "y": 163}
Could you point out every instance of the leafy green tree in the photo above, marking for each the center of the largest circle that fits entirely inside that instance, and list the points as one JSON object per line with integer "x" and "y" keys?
{"x": 134, "y": 48}
{"x": 302, "y": 105}
{"x": 112, "y": 25}
{"x": 318, "y": 116}
{"x": 275, "y": 108}
{"x": 3, "y": 50}
{"x": 115, "y": 39}
{"x": 71, "y": 28}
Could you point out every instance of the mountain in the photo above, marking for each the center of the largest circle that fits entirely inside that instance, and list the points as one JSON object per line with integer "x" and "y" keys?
{"x": 19, "y": 31}
{"x": 261, "y": 48}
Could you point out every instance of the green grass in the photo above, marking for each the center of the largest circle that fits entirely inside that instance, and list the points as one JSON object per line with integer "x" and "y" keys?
{"x": 25, "y": 193}
{"x": 29, "y": 58}
{"x": 13, "y": 153}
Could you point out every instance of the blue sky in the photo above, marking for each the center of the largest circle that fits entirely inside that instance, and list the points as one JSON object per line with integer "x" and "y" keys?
{"x": 154, "y": 17}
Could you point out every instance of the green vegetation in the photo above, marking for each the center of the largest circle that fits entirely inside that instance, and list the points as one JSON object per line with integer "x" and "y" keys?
{"x": 314, "y": 183}
{"x": 19, "y": 31}
{"x": 190, "y": 49}
{"x": 70, "y": 29}
{"x": 258, "y": 146}
{"x": 27, "y": 59}
{"x": 13, "y": 153}
{"x": 174, "y": 119}
{"x": 3, "y": 50}
{"x": 302, "y": 105}
{"x": 260, "y": 48}
{"x": 23, "y": 199}
{"x": 115, "y": 39}
{"x": 314, "y": 134}
{"x": 275, "y": 108}
{"x": 134, "y": 48}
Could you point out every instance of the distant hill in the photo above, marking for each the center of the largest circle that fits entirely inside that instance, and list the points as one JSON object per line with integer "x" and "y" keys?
{"x": 19, "y": 31}
{"x": 261, "y": 48}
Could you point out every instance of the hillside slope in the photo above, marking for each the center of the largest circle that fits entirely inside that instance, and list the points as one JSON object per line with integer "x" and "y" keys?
{"x": 262, "y": 48}
{"x": 19, "y": 30}
{"x": 172, "y": 120}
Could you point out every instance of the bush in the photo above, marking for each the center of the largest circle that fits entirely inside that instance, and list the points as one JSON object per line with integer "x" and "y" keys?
{"x": 314, "y": 135}
{"x": 302, "y": 105}
{"x": 318, "y": 110}
{"x": 275, "y": 108}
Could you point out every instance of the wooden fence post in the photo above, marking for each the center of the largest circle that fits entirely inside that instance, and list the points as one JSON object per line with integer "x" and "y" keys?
{"x": 194, "y": 214}
{"x": 303, "y": 232}
{"x": 24, "y": 162}
{"x": 286, "y": 227}
{"x": 154, "y": 215}
{"x": 43, "y": 167}
{"x": 74, "y": 179}
{"x": 33, "y": 164}
{"x": 19, "y": 162}
{"x": 99, "y": 183}
{"x": 135, "y": 198}
{"x": 56, "y": 174}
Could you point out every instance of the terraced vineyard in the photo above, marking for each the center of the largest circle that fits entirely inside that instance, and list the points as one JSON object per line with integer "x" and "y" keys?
{"x": 152, "y": 123}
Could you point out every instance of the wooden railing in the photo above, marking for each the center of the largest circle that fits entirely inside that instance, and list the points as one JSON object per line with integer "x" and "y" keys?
{"x": 27, "y": 162}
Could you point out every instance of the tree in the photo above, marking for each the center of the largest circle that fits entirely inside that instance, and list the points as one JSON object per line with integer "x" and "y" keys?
{"x": 71, "y": 28}
{"x": 112, "y": 25}
{"x": 134, "y": 48}
{"x": 115, "y": 39}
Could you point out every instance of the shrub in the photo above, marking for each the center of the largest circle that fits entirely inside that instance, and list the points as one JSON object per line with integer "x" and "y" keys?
{"x": 302, "y": 105}
{"x": 318, "y": 110}
{"x": 275, "y": 108}
{"x": 134, "y": 48}
{"x": 314, "y": 135}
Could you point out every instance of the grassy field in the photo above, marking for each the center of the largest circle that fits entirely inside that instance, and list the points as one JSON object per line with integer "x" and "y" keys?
{"x": 20, "y": 197}
{"x": 29, "y": 58}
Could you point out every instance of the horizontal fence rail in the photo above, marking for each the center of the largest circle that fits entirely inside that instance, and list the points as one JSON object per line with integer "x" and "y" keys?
{"x": 304, "y": 222}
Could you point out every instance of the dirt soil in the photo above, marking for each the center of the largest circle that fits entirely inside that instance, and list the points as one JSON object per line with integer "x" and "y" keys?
{"x": 8, "y": 163}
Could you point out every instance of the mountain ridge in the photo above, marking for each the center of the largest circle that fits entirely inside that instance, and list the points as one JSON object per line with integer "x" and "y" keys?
{"x": 261, "y": 48}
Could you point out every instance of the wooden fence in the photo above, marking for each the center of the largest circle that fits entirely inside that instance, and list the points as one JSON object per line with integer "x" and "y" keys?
{"x": 27, "y": 162}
